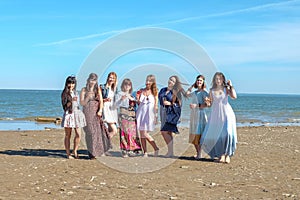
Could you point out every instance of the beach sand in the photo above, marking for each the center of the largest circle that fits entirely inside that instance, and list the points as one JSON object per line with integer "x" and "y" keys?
{"x": 266, "y": 166}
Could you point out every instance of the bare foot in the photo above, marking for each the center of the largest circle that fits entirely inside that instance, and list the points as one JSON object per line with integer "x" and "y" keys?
{"x": 156, "y": 153}
{"x": 70, "y": 157}
{"x": 222, "y": 159}
{"x": 227, "y": 159}
{"x": 145, "y": 155}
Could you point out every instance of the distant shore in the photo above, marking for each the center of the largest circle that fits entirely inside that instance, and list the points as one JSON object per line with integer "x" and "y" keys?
{"x": 265, "y": 166}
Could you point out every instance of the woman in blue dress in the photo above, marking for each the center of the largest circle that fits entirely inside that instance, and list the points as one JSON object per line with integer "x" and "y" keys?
{"x": 198, "y": 118}
{"x": 219, "y": 137}
{"x": 170, "y": 96}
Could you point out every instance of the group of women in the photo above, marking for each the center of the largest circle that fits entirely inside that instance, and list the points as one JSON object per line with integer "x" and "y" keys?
{"x": 105, "y": 110}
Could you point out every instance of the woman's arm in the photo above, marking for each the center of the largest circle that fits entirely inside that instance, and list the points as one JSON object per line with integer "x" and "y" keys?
{"x": 230, "y": 90}
{"x": 99, "y": 113}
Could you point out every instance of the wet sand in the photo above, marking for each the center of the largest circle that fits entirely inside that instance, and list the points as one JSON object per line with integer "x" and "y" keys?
{"x": 266, "y": 166}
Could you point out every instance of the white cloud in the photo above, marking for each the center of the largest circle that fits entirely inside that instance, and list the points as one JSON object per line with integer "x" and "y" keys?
{"x": 250, "y": 9}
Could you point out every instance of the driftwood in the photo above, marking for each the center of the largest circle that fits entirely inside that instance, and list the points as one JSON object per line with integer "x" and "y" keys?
{"x": 55, "y": 120}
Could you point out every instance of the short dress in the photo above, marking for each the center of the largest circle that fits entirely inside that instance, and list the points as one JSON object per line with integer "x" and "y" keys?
{"x": 110, "y": 112}
{"x": 165, "y": 126}
{"x": 145, "y": 114}
{"x": 76, "y": 118}
{"x": 198, "y": 117}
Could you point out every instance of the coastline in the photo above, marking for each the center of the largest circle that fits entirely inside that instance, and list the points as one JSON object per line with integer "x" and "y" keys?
{"x": 266, "y": 165}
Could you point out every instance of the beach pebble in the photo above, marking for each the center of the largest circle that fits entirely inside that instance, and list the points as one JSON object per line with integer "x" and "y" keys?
{"x": 184, "y": 167}
{"x": 288, "y": 195}
{"x": 212, "y": 184}
{"x": 140, "y": 186}
{"x": 92, "y": 178}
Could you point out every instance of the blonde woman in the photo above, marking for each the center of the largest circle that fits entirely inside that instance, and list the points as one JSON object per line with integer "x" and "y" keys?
{"x": 146, "y": 114}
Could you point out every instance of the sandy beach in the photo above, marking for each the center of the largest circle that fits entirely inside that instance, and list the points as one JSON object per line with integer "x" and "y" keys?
{"x": 265, "y": 166}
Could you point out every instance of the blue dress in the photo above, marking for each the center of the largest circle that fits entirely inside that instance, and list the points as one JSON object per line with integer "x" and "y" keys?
{"x": 165, "y": 126}
{"x": 198, "y": 118}
{"x": 220, "y": 137}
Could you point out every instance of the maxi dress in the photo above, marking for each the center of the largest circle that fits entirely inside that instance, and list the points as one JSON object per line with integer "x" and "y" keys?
{"x": 198, "y": 117}
{"x": 220, "y": 136}
{"x": 129, "y": 140}
{"x": 97, "y": 141}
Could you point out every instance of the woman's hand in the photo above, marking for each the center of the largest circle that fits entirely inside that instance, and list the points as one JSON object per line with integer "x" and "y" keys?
{"x": 207, "y": 101}
{"x": 193, "y": 105}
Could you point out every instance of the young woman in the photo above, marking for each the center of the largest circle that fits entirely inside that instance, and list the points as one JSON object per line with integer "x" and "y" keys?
{"x": 129, "y": 140}
{"x": 146, "y": 114}
{"x": 110, "y": 114}
{"x": 73, "y": 117}
{"x": 170, "y": 96}
{"x": 198, "y": 118}
{"x": 97, "y": 141}
{"x": 219, "y": 137}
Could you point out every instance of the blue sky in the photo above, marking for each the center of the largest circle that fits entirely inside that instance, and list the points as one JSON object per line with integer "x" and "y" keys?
{"x": 255, "y": 43}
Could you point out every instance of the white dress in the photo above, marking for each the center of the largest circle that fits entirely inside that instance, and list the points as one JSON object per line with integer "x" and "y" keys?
{"x": 220, "y": 137}
{"x": 145, "y": 114}
{"x": 76, "y": 118}
{"x": 110, "y": 112}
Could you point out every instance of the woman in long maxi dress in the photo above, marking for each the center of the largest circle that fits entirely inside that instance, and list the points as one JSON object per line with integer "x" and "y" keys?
{"x": 198, "y": 117}
{"x": 129, "y": 140}
{"x": 97, "y": 141}
{"x": 219, "y": 137}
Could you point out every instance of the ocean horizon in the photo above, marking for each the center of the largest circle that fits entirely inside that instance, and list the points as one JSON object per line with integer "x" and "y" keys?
{"x": 20, "y": 107}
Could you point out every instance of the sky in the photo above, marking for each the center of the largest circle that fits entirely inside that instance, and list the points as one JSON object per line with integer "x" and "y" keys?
{"x": 256, "y": 44}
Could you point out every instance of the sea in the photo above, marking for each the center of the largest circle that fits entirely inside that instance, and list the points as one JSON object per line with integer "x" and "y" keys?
{"x": 20, "y": 108}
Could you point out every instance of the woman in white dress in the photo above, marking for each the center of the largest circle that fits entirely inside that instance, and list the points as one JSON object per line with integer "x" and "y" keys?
{"x": 146, "y": 113}
{"x": 73, "y": 117}
{"x": 219, "y": 137}
{"x": 110, "y": 113}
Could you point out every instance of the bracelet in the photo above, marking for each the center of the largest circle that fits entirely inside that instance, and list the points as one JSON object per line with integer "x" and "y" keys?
{"x": 199, "y": 105}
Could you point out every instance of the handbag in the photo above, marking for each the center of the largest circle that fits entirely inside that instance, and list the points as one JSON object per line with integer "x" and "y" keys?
{"x": 173, "y": 114}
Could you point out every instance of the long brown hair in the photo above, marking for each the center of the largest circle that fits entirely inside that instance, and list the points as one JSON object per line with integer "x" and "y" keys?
{"x": 93, "y": 77}
{"x": 213, "y": 83}
{"x": 153, "y": 88}
{"x": 178, "y": 91}
{"x": 114, "y": 85}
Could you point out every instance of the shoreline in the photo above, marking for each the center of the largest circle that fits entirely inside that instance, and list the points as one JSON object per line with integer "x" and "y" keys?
{"x": 32, "y": 124}
{"x": 265, "y": 166}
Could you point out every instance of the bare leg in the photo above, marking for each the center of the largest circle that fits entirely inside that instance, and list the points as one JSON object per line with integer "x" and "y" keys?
{"x": 76, "y": 142}
{"x": 168, "y": 137}
{"x": 112, "y": 128}
{"x": 198, "y": 150}
{"x": 68, "y": 132}
{"x": 143, "y": 142}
